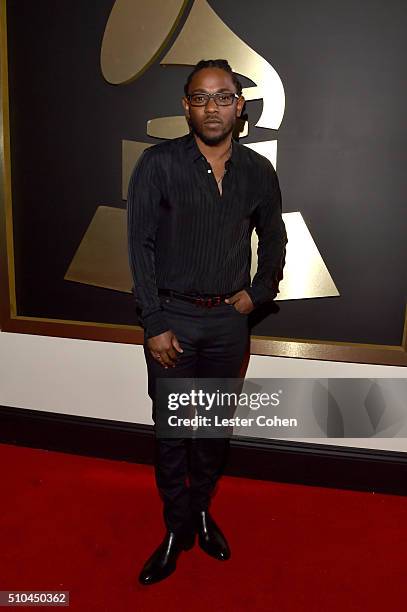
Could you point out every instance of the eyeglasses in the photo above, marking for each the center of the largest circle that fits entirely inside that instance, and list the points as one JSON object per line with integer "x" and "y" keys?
{"x": 221, "y": 98}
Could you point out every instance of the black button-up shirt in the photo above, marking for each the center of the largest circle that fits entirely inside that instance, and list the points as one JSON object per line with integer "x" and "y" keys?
{"x": 183, "y": 235}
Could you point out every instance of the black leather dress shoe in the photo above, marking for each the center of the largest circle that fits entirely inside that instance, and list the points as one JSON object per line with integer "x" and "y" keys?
{"x": 211, "y": 539}
{"x": 163, "y": 561}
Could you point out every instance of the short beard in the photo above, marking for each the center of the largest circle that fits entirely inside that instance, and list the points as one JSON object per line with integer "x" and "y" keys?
{"x": 210, "y": 141}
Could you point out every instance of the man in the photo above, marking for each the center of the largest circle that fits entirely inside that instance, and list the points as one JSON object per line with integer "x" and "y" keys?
{"x": 192, "y": 205}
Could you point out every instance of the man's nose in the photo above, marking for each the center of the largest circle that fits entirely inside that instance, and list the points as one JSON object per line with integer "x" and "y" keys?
{"x": 211, "y": 106}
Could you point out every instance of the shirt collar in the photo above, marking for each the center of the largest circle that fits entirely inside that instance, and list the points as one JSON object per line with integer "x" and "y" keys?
{"x": 194, "y": 152}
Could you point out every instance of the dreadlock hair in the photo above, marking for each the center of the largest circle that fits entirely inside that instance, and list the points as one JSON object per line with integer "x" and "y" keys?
{"x": 216, "y": 63}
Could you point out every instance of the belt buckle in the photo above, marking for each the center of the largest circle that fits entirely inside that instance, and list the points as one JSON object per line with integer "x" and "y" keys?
{"x": 208, "y": 302}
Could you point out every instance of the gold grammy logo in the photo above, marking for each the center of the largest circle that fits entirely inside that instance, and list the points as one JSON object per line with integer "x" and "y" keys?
{"x": 136, "y": 34}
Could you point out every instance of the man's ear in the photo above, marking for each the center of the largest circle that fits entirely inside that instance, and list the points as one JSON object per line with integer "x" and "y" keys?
{"x": 185, "y": 104}
{"x": 239, "y": 106}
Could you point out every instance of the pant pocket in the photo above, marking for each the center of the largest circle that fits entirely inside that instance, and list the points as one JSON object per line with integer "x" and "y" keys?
{"x": 240, "y": 314}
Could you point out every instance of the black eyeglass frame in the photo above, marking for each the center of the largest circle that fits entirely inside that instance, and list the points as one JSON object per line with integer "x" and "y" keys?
{"x": 215, "y": 96}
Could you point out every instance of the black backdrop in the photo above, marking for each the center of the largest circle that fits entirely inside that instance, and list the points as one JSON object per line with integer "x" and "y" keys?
{"x": 341, "y": 151}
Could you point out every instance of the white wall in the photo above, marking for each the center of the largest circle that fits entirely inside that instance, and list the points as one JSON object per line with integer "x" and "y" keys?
{"x": 108, "y": 380}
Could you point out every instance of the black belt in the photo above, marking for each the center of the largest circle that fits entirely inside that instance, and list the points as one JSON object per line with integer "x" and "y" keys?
{"x": 206, "y": 301}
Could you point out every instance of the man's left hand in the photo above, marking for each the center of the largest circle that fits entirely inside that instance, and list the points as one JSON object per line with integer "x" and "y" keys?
{"x": 241, "y": 301}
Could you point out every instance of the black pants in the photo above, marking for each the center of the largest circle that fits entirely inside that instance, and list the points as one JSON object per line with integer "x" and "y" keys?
{"x": 215, "y": 343}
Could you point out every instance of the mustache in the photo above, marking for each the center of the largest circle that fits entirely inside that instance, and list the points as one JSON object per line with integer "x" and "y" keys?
{"x": 212, "y": 120}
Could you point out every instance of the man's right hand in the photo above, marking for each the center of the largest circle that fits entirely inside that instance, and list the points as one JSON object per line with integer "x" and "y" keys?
{"x": 163, "y": 348}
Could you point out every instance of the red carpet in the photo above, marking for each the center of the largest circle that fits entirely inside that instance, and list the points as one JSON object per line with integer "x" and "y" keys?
{"x": 87, "y": 525}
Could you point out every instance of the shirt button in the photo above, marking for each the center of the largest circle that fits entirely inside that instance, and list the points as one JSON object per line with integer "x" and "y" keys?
{"x": 209, "y": 171}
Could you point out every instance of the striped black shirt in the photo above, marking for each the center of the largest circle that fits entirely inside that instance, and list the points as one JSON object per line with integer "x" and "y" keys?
{"x": 183, "y": 235}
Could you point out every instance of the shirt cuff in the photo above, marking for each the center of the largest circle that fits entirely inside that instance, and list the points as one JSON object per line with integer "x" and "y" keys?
{"x": 155, "y": 324}
{"x": 260, "y": 295}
